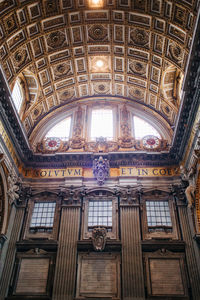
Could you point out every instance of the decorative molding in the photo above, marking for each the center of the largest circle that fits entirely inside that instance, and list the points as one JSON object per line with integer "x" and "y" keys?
{"x": 55, "y": 145}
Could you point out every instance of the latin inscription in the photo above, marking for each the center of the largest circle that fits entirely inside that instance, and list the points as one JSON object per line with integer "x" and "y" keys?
{"x": 133, "y": 171}
{"x": 53, "y": 173}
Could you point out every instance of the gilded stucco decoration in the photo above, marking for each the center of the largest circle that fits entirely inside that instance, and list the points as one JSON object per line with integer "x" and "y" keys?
{"x": 61, "y": 41}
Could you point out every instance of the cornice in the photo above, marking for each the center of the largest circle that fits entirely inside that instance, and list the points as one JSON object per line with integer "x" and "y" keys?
{"x": 190, "y": 99}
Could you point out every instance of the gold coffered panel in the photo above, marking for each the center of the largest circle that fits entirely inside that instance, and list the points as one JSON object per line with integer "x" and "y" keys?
{"x": 71, "y": 49}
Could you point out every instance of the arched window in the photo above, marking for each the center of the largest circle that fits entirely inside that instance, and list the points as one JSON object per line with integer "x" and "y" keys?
{"x": 142, "y": 128}
{"x": 61, "y": 129}
{"x": 102, "y": 124}
{"x": 17, "y": 96}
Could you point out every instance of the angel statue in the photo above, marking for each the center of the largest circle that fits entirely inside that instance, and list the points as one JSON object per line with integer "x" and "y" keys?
{"x": 190, "y": 177}
{"x": 13, "y": 187}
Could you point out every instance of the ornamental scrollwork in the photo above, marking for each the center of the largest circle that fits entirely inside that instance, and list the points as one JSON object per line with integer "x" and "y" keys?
{"x": 101, "y": 145}
{"x": 128, "y": 194}
{"x": 71, "y": 194}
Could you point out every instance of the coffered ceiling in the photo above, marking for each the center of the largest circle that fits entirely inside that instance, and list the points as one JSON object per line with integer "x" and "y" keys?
{"x": 65, "y": 50}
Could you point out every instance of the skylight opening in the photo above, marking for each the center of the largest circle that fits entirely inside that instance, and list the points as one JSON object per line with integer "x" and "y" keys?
{"x": 60, "y": 130}
{"x": 102, "y": 124}
{"x": 142, "y": 128}
{"x": 17, "y": 96}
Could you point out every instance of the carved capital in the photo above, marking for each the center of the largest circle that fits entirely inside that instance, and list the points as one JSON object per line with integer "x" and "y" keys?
{"x": 25, "y": 193}
{"x": 129, "y": 194}
{"x": 72, "y": 194}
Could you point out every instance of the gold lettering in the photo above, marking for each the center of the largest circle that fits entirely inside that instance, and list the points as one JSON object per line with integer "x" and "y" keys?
{"x": 169, "y": 171}
{"x": 144, "y": 172}
{"x": 43, "y": 173}
{"x": 36, "y": 173}
{"x": 162, "y": 172}
{"x": 69, "y": 171}
{"x": 154, "y": 172}
{"x": 56, "y": 172}
{"x": 26, "y": 172}
{"x": 123, "y": 171}
{"x": 77, "y": 172}
{"x": 130, "y": 171}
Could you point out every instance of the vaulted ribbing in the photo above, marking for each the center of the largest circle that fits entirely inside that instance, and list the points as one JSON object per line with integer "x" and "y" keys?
{"x": 132, "y": 269}
{"x": 64, "y": 283}
{"x": 10, "y": 255}
{"x": 190, "y": 253}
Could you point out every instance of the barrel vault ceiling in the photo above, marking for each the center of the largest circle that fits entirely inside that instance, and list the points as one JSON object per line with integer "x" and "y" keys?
{"x": 54, "y": 47}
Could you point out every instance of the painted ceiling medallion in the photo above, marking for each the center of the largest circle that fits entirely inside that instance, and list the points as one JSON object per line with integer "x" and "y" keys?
{"x": 151, "y": 142}
{"x": 139, "y": 36}
{"x": 98, "y": 32}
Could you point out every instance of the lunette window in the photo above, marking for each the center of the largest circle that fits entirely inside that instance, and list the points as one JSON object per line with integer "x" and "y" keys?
{"x": 100, "y": 214}
{"x": 143, "y": 128}
{"x": 60, "y": 130}
{"x": 102, "y": 124}
{"x": 158, "y": 214}
{"x": 17, "y": 96}
{"x": 43, "y": 216}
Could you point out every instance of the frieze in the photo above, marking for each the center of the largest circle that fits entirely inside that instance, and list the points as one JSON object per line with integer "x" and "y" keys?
{"x": 122, "y": 171}
{"x": 125, "y": 141}
{"x": 53, "y": 173}
{"x": 157, "y": 171}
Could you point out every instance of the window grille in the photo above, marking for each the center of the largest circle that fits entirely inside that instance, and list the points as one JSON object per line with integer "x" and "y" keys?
{"x": 43, "y": 216}
{"x": 158, "y": 214}
{"x": 100, "y": 213}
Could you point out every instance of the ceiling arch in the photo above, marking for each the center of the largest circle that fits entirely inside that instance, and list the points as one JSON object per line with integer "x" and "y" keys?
{"x": 142, "y": 45}
{"x": 87, "y": 104}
